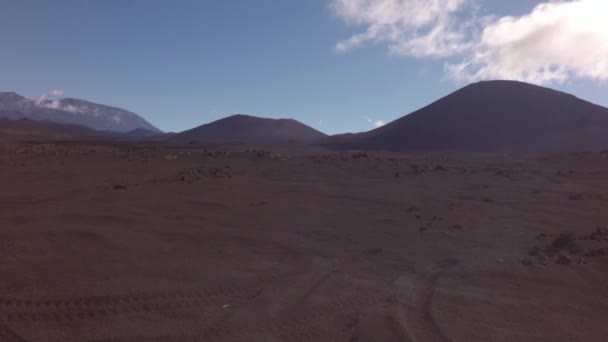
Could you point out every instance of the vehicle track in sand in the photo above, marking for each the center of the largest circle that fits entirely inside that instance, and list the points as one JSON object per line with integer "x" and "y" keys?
{"x": 296, "y": 314}
{"x": 286, "y": 297}
{"x": 415, "y": 317}
{"x": 207, "y": 304}
{"x": 303, "y": 319}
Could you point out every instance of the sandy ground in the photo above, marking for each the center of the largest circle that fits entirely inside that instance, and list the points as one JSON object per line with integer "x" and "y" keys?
{"x": 136, "y": 243}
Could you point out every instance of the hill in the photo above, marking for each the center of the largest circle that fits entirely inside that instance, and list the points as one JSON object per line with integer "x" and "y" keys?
{"x": 246, "y": 128}
{"x": 492, "y": 116}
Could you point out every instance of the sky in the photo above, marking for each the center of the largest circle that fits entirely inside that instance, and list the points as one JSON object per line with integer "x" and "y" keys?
{"x": 336, "y": 65}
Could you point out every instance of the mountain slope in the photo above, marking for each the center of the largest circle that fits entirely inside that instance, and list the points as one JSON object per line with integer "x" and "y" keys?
{"x": 493, "y": 116}
{"x": 246, "y": 128}
{"x": 72, "y": 111}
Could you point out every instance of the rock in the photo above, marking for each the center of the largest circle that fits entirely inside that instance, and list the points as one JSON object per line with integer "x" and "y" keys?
{"x": 375, "y": 251}
{"x": 563, "y": 241}
{"x": 527, "y": 261}
{"x": 120, "y": 187}
{"x": 258, "y": 204}
{"x": 456, "y": 227}
{"x": 536, "y": 251}
{"x": 500, "y": 261}
{"x": 563, "y": 260}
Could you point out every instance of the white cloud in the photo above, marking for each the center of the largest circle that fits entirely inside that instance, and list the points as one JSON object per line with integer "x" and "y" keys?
{"x": 418, "y": 28}
{"x": 556, "y": 41}
{"x": 57, "y": 104}
{"x": 375, "y": 123}
{"x": 55, "y": 93}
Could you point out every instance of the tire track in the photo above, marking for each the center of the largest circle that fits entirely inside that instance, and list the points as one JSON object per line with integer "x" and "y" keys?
{"x": 396, "y": 329}
{"x": 161, "y": 338}
{"x": 87, "y": 309}
{"x": 418, "y": 320}
{"x": 219, "y": 326}
{"x": 98, "y": 307}
{"x": 300, "y": 318}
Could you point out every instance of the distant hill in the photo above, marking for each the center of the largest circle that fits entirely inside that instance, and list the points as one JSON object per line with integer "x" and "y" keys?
{"x": 72, "y": 111}
{"x": 246, "y": 128}
{"x": 492, "y": 116}
{"x": 23, "y": 129}
{"x": 136, "y": 134}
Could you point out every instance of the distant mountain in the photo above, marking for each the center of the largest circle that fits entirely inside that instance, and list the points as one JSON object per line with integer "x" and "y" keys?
{"x": 246, "y": 128}
{"x": 23, "y": 129}
{"x": 72, "y": 111}
{"x": 136, "y": 134}
{"x": 492, "y": 116}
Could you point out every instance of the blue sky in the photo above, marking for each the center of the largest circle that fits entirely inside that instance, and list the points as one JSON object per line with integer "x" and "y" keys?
{"x": 323, "y": 62}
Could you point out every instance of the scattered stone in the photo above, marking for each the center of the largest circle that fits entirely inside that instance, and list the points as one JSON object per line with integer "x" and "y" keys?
{"x": 413, "y": 209}
{"x": 359, "y": 155}
{"x": 500, "y": 261}
{"x": 417, "y": 169}
{"x": 440, "y": 168}
{"x": 193, "y": 174}
{"x": 600, "y": 234}
{"x": 597, "y": 252}
{"x": 575, "y": 197}
{"x": 423, "y": 229}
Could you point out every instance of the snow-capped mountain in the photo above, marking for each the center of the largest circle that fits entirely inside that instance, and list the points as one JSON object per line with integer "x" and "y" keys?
{"x": 72, "y": 111}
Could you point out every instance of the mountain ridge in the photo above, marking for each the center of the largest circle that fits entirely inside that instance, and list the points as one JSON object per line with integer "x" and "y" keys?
{"x": 72, "y": 111}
